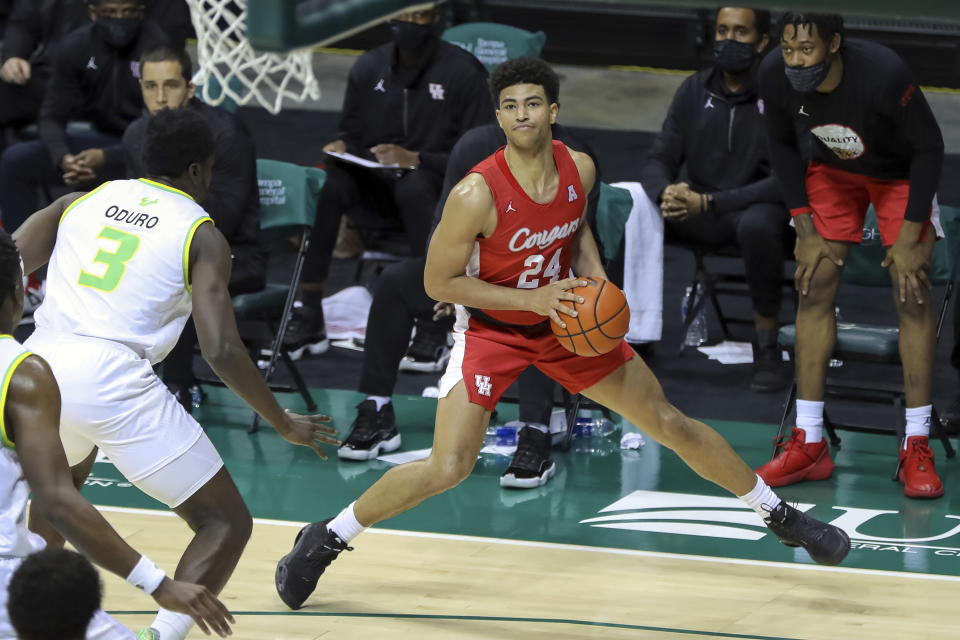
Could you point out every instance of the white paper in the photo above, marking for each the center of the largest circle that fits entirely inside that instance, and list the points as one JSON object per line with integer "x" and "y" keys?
{"x": 500, "y": 450}
{"x": 729, "y": 352}
{"x": 632, "y": 440}
{"x": 363, "y": 162}
{"x": 405, "y": 456}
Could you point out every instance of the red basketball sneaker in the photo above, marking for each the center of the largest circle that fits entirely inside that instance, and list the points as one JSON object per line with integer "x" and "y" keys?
{"x": 797, "y": 461}
{"x": 919, "y": 478}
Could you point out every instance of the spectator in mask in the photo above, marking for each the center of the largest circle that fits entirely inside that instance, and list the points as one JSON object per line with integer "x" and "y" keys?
{"x": 407, "y": 102}
{"x": 95, "y": 78}
{"x": 729, "y": 197}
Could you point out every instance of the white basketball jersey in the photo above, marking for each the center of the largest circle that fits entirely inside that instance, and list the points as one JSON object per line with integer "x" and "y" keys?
{"x": 15, "y": 539}
{"x": 119, "y": 269}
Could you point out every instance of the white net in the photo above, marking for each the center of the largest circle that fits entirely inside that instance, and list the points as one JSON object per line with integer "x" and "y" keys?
{"x": 241, "y": 73}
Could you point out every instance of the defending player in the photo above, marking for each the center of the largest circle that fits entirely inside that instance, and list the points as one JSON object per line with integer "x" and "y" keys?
{"x": 509, "y": 231}
{"x": 128, "y": 261}
{"x": 32, "y": 460}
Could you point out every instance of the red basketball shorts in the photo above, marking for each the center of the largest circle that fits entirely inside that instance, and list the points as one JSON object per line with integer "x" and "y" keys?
{"x": 488, "y": 358}
{"x": 839, "y": 200}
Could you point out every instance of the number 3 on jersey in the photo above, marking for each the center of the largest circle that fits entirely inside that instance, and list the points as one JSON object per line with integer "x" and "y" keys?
{"x": 530, "y": 278}
{"x": 124, "y": 246}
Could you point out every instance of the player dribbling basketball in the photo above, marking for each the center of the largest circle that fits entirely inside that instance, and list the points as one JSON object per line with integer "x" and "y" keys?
{"x": 511, "y": 230}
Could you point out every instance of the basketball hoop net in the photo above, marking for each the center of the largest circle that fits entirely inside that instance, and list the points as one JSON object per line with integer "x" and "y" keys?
{"x": 224, "y": 53}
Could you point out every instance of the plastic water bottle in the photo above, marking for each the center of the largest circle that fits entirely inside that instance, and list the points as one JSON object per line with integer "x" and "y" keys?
{"x": 697, "y": 331}
{"x": 588, "y": 426}
{"x": 590, "y": 435}
{"x": 834, "y": 362}
{"x": 502, "y": 435}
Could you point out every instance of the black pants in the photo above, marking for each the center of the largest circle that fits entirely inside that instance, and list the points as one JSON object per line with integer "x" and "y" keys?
{"x": 26, "y": 167}
{"x": 411, "y": 197}
{"x": 761, "y": 232}
{"x": 249, "y": 273}
{"x": 397, "y": 302}
{"x": 20, "y": 103}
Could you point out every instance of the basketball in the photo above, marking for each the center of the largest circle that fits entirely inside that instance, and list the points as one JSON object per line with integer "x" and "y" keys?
{"x": 601, "y": 322}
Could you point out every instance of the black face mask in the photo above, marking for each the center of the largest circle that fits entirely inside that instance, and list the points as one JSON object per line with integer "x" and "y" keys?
{"x": 733, "y": 56}
{"x": 807, "y": 79}
{"x": 410, "y": 35}
{"x": 119, "y": 32}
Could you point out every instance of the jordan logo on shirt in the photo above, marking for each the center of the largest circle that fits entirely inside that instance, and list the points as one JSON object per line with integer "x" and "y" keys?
{"x": 379, "y": 86}
{"x": 802, "y": 112}
{"x": 92, "y": 64}
{"x": 510, "y": 207}
{"x": 709, "y": 103}
{"x": 571, "y": 193}
{"x": 484, "y": 386}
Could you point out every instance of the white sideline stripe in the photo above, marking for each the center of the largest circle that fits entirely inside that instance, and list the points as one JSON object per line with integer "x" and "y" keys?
{"x": 576, "y": 547}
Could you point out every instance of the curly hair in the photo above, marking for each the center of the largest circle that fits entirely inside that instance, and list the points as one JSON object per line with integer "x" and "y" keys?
{"x": 53, "y": 594}
{"x": 9, "y": 265}
{"x": 525, "y": 71}
{"x": 175, "y": 139}
{"x": 827, "y": 24}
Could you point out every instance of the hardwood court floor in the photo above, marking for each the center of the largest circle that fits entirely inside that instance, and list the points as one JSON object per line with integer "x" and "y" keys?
{"x": 618, "y": 545}
{"x": 405, "y": 585}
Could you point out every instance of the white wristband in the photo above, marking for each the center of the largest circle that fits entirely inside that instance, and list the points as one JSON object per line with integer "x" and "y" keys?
{"x": 146, "y": 575}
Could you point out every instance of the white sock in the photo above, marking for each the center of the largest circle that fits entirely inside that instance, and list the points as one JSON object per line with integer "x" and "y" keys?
{"x": 762, "y": 499}
{"x": 171, "y": 625}
{"x": 542, "y": 428}
{"x": 918, "y": 422}
{"x": 346, "y": 525}
{"x": 380, "y": 400}
{"x": 810, "y": 419}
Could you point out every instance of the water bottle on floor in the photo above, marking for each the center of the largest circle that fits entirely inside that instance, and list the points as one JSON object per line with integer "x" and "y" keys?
{"x": 697, "y": 331}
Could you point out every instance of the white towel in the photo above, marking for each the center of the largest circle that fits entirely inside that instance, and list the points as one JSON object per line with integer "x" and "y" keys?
{"x": 345, "y": 313}
{"x": 643, "y": 266}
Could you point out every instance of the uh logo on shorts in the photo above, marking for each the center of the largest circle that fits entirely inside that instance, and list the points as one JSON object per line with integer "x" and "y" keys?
{"x": 483, "y": 383}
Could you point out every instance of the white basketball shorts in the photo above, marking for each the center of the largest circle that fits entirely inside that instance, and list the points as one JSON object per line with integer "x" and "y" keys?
{"x": 112, "y": 399}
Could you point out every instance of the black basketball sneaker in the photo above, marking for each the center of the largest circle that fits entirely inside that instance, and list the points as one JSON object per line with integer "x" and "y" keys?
{"x": 313, "y": 550}
{"x": 825, "y": 543}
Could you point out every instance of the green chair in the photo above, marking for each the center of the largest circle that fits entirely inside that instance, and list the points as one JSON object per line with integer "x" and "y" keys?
{"x": 288, "y": 205}
{"x": 494, "y": 43}
{"x": 875, "y": 343}
{"x": 613, "y": 208}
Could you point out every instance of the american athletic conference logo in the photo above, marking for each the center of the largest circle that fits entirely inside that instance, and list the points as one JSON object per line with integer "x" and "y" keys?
{"x": 730, "y": 518}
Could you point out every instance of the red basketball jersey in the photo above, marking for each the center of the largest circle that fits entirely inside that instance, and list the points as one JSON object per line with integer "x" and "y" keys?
{"x": 532, "y": 241}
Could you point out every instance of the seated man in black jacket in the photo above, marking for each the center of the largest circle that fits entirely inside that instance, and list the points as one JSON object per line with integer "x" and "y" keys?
{"x": 30, "y": 35}
{"x": 407, "y": 102}
{"x": 233, "y": 200}
{"x": 715, "y": 129}
{"x": 94, "y": 78}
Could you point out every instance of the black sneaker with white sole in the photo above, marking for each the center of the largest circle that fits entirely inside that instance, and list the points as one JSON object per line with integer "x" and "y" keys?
{"x": 825, "y": 543}
{"x": 306, "y": 333}
{"x": 531, "y": 466}
{"x": 314, "y": 548}
{"x": 429, "y": 350}
{"x": 372, "y": 433}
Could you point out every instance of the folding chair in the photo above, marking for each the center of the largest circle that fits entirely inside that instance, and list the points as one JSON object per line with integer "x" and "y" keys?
{"x": 494, "y": 43}
{"x": 288, "y": 205}
{"x": 873, "y": 343}
{"x": 724, "y": 279}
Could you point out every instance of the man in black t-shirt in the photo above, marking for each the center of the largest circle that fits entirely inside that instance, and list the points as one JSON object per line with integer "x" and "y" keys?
{"x": 871, "y": 139}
